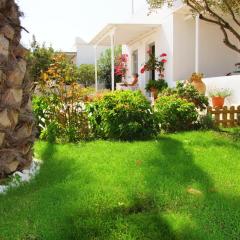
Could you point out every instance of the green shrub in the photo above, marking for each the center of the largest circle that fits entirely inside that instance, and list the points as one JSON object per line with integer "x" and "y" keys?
{"x": 206, "y": 122}
{"x": 175, "y": 114}
{"x": 51, "y": 132}
{"x": 124, "y": 115}
{"x": 188, "y": 92}
{"x": 86, "y": 74}
{"x": 40, "y": 109}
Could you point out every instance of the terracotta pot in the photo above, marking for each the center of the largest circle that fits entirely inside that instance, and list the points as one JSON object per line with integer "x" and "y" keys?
{"x": 196, "y": 81}
{"x": 218, "y": 102}
{"x": 154, "y": 92}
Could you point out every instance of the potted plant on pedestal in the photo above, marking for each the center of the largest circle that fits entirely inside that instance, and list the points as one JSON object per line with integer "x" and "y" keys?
{"x": 156, "y": 86}
{"x": 218, "y": 97}
{"x": 155, "y": 64}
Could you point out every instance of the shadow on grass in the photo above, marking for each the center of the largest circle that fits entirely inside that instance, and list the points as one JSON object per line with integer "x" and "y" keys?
{"x": 174, "y": 185}
{"x": 59, "y": 208}
{"x": 136, "y": 221}
{"x": 212, "y": 212}
{"x": 44, "y": 204}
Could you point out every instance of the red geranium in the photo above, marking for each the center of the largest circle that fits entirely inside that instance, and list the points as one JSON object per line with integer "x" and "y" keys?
{"x": 163, "y": 55}
{"x": 164, "y": 61}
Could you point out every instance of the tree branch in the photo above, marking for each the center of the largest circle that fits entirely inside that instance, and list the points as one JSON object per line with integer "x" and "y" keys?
{"x": 227, "y": 42}
{"x": 225, "y": 23}
{"x": 226, "y": 38}
{"x": 231, "y": 12}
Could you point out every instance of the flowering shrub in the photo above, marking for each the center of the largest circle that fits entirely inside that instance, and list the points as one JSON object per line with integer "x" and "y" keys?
{"x": 59, "y": 109}
{"x": 124, "y": 115}
{"x": 121, "y": 66}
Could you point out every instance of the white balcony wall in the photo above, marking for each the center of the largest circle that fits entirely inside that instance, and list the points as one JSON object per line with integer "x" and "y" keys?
{"x": 226, "y": 82}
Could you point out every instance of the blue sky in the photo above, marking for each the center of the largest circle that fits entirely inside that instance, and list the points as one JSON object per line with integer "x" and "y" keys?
{"x": 59, "y": 22}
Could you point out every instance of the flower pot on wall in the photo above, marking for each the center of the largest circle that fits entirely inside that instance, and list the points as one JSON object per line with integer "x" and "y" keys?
{"x": 218, "y": 102}
{"x": 196, "y": 81}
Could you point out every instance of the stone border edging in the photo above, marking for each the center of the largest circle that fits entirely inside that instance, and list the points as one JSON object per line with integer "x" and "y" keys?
{"x": 22, "y": 177}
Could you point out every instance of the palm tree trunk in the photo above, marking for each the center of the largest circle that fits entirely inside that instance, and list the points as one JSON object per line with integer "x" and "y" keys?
{"x": 16, "y": 118}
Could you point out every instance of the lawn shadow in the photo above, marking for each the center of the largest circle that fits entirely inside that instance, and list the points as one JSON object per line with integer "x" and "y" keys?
{"x": 196, "y": 190}
{"x": 139, "y": 220}
{"x": 49, "y": 197}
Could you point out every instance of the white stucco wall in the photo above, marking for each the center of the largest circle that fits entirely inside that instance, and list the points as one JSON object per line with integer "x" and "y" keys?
{"x": 163, "y": 39}
{"x": 215, "y": 58}
{"x": 85, "y": 55}
{"x": 184, "y": 47}
{"x": 229, "y": 82}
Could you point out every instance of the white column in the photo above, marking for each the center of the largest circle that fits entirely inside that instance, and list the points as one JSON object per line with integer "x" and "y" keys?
{"x": 197, "y": 43}
{"x": 133, "y": 10}
{"x": 96, "y": 69}
{"x": 112, "y": 60}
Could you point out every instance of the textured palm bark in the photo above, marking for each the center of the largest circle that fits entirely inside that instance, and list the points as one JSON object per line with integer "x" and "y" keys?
{"x": 16, "y": 118}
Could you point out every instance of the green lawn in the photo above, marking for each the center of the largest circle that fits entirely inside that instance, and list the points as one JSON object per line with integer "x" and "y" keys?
{"x": 183, "y": 186}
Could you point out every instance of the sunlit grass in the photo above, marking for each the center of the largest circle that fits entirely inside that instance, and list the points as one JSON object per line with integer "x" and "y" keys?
{"x": 182, "y": 186}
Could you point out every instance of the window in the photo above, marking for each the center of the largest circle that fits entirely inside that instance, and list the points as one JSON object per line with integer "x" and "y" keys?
{"x": 135, "y": 62}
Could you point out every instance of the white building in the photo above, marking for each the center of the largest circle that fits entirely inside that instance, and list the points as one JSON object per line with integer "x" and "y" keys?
{"x": 191, "y": 44}
{"x": 86, "y": 52}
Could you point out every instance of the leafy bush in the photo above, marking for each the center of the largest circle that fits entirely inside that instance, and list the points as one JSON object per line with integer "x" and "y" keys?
{"x": 86, "y": 74}
{"x": 188, "y": 92}
{"x": 105, "y": 67}
{"x": 124, "y": 115}
{"x": 175, "y": 114}
{"x": 51, "y": 132}
{"x": 206, "y": 122}
{"x": 39, "y": 59}
{"x": 60, "y": 110}
{"x": 40, "y": 109}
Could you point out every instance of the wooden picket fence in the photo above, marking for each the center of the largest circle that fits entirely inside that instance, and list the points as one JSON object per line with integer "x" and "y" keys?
{"x": 226, "y": 116}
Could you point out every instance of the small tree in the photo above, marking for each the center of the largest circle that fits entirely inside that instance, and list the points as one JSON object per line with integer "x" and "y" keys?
{"x": 86, "y": 74}
{"x": 39, "y": 59}
{"x": 105, "y": 67}
{"x": 61, "y": 102}
{"x": 223, "y": 13}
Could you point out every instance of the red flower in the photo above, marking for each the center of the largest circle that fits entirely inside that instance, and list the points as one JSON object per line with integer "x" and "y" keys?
{"x": 143, "y": 70}
{"x": 164, "y": 61}
{"x": 163, "y": 55}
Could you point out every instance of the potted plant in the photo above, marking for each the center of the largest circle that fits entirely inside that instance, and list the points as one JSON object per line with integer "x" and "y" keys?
{"x": 218, "y": 97}
{"x": 155, "y": 64}
{"x": 156, "y": 86}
